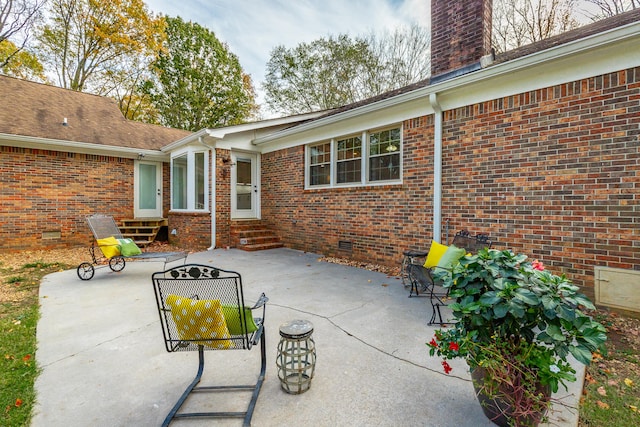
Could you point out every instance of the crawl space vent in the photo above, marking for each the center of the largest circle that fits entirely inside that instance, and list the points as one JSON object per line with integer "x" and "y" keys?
{"x": 49, "y": 235}
{"x": 345, "y": 245}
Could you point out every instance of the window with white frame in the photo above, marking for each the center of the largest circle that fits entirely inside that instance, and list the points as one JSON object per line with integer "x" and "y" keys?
{"x": 384, "y": 155}
{"x": 320, "y": 164}
{"x": 189, "y": 185}
{"x": 369, "y": 158}
{"x": 349, "y": 160}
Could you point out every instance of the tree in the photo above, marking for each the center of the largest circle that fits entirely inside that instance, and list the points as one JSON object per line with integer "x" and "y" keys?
{"x": 520, "y": 22}
{"x": 339, "y": 70}
{"x": 17, "y": 18}
{"x": 197, "y": 81}
{"x": 608, "y": 8}
{"x": 85, "y": 40}
{"x": 20, "y": 63}
{"x": 403, "y": 57}
{"x": 325, "y": 73}
{"x": 125, "y": 84}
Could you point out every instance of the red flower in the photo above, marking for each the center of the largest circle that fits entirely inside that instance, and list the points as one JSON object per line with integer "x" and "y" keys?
{"x": 537, "y": 265}
{"x": 18, "y": 403}
{"x": 26, "y": 358}
{"x": 446, "y": 366}
{"x": 453, "y": 346}
{"x": 433, "y": 343}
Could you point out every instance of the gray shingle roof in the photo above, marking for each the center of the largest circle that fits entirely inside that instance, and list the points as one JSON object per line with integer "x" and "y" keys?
{"x": 38, "y": 110}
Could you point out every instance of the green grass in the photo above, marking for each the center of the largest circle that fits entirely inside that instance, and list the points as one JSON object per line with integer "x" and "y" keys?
{"x": 613, "y": 402}
{"x": 18, "y": 321}
{"x": 611, "y": 395}
{"x": 19, "y": 368}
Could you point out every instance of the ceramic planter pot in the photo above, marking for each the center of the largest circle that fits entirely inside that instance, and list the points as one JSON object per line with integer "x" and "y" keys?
{"x": 502, "y": 412}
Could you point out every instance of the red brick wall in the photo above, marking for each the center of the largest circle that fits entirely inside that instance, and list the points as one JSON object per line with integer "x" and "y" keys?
{"x": 553, "y": 173}
{"x": 166, "y": 189}
{"x": 461, "y": 33}
{"x": 223, "y": 198}
{"x": 193, "y": 229}
{"x": 51, "y": 191}
{"x": 379, "y": 221}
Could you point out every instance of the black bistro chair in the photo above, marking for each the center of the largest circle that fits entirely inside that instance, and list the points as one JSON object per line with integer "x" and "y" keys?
{"x": 202, "y": 308}
{"x": 424, "y": 279}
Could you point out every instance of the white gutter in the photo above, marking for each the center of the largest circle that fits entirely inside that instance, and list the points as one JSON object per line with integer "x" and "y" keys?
{"x": 186, "y": 140}
{"x": 80, "y": 147}
{"x": 213, "y": 193}
{"x": 437, "y": 167}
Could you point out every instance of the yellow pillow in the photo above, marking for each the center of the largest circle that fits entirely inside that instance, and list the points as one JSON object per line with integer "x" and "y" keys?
{"x": 110, "y": 247}
{"x": 200, "y": 320}
{"x": 435, "y": 253}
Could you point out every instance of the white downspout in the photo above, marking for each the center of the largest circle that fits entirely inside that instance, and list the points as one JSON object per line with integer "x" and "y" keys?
{"x": 212, "y": 185}
{"x": 437, "y": 167}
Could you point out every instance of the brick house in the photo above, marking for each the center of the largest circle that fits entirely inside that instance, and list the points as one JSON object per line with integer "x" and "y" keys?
{"x": 538, "y": 147}
{"x": 67, "y": 154}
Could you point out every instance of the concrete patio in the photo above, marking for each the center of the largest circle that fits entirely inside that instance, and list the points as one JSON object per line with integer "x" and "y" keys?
{"x": 103, "y": 359}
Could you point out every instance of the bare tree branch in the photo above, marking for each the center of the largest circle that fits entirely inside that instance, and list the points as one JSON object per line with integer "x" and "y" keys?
{"x": 608, "y": 8}
{"x": 17, "y": 18}
{"x": 521, "y": 22}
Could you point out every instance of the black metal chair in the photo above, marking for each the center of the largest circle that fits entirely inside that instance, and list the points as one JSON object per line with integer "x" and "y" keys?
{"x": 202, "y": 308}
{"x": 423, "y": 279}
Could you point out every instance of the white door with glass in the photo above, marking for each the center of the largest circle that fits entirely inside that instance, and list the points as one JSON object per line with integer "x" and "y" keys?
{"x": 245, "y": 190}
{"x": 147, "y": 189}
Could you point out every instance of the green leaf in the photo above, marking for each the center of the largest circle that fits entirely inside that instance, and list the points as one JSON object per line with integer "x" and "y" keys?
{"x": 555, "y": 332}
{"x": 490, "y": 298}
{"x": 566, "y": 313}
{"x": 581, "y": 353}
{"x": 501, "y": 310}
{"x": 544, "y": 337}
{"x": 526, "y": 296}
{"x": 516, "y": 309}
{"x": 584, "y": 301}
{"x": 594, "y": 337}
{"x": 549, "y": 302}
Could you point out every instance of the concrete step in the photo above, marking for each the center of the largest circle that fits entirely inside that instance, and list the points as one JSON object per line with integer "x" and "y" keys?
{"x": 261, "y": 247}
{"x": 253, "y": 235}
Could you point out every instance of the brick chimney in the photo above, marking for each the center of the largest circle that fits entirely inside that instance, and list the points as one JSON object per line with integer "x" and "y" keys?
{"x": 460, "y": 36}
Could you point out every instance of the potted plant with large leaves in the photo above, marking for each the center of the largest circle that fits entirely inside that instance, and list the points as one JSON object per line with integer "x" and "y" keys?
{"x": 516, "y": 325}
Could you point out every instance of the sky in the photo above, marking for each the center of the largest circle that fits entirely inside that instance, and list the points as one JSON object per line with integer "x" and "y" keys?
{"x": 252, "y": 28}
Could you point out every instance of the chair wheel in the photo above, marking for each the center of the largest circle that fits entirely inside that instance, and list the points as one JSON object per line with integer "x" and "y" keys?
{"x": 85, "y": 271}
{"x": 116, "y": 263}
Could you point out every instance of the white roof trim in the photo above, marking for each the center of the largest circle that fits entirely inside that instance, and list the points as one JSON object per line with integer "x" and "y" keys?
{"x": 554, "y": 53}
{"x": 355, "y": 112}
{"x": 79, "y": 147}
{"x": 221, "y": 132}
